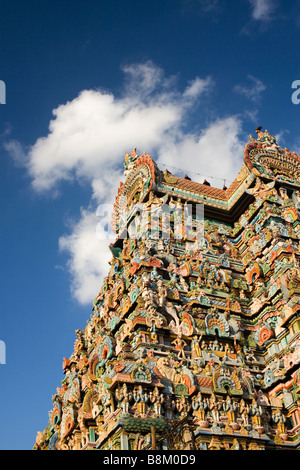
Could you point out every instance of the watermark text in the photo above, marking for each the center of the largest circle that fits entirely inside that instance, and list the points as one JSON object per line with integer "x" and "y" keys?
{"x": 164, "y": 221}
{"x": 2, "y": 353}
{"x": 2, "y": 92}
{"x": 296, "y": 93}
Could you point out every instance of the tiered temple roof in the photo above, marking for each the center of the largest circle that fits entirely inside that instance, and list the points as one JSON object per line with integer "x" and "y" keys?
{"x": 194, "y": 338}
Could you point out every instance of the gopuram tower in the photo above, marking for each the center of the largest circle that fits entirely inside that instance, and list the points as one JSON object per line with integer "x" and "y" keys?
{"x": 194, "y": 338}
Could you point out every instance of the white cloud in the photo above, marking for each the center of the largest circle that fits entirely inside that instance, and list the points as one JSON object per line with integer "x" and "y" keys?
{"x": 16, "y": 151}
{"x": 197, "y": 87}
{"x": 262, "y": 10}
{"x": 253, "y": 91}
{"x": 214, "y": 152}
{"x": 89, "y": 136}
{"x": 88, "y": 257}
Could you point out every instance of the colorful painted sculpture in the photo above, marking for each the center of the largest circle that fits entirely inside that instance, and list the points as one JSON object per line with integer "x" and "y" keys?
{"x": 194, "y": 340}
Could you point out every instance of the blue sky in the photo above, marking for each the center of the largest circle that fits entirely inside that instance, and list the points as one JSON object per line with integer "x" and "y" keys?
{"x": 185, "y": 81}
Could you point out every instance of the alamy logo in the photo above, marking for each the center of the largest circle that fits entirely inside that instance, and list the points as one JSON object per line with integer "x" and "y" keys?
{"x": 2, "y": 92}
{"x": 2, "y": 353}
{"x": 163, "y": 221}
{"x": 296, "y": 94}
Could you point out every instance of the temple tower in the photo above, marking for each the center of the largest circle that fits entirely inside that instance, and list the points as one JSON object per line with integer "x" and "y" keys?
{"x": 194, "y": 338}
